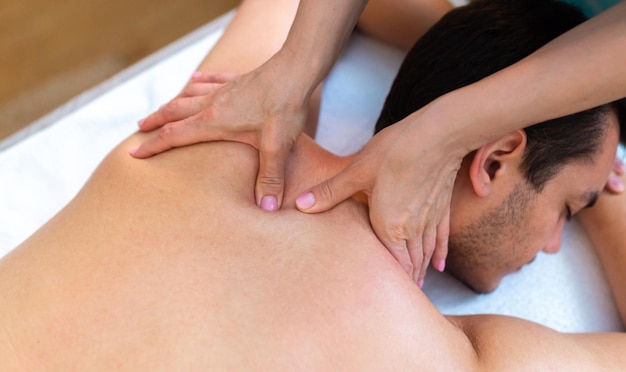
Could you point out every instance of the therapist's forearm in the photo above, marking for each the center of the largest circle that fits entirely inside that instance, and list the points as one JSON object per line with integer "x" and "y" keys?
{"x": 581, "y": 69}
{"x": 256, "y": 32}
{"x": 317, "y": 36}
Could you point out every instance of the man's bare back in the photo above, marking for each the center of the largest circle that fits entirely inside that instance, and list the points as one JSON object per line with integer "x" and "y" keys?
{"x": 167, "y": 263}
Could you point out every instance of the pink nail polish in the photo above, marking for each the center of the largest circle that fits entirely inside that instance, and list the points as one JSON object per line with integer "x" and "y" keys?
{"x": 140, "y": 122}
{"x": 420, "y": 283}
{"x": 133, "y": 151}
{"x": 440, "y": 266}
{"x": 196, "y": 74}
{"x": 616, "y": 184}
{"x": 269, "y": 203}
{"x": 305, "y": 201}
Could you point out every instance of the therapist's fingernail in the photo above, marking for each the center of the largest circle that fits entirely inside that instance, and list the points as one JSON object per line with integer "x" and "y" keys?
{"x": 305, "y": 201}
{"x": 269, "y": 203}
{"x": 133, "y": 151}
{"x": 196, "y": 74}
{"x": 616, "y": 184}
{"x": 440, "y": 265}
{"x": 420, "y": 283}
{"x": 140, "y": 122}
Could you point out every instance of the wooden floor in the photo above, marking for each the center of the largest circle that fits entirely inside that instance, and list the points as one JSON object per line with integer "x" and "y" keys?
{"x": 50, "y": 51}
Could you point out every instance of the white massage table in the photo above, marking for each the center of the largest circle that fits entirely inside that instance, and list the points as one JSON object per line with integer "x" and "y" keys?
{"x": 43, "y": 167}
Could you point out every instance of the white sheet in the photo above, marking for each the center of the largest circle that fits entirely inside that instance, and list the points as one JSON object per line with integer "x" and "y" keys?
{"x": 43, "y": 167}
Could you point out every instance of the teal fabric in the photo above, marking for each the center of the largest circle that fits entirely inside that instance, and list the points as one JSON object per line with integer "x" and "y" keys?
{"x": 593, "y": 7}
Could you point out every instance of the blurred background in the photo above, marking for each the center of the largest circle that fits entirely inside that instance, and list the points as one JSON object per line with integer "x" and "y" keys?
{"x": 50, "y": 51}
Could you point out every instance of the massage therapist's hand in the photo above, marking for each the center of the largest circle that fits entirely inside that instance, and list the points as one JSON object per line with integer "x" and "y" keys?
{"x": 408, "y": 175}
{"x": 189, "y": 102}
{"x": 192, "y": 100}
{"x": 261, "y": 108}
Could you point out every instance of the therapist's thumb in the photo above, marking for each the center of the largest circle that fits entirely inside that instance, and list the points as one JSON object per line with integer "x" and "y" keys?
{"x": 270, "y": 182}
{"x": 328, "y": 194}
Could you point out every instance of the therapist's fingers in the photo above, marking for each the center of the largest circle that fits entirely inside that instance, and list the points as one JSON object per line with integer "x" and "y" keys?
{"x": 434, "y": 242}
{"x": 421, "y": 245}
{"x": 415, "y": 248}
{"x": 441, "y": 248}
{"x": 194, "y": 98}
{"x": 191, "y": 130}
{"x": 436, "y": 250}
{"x": 173, "y": 111}
{"x": 169, "y": 136}
{"x": 212, "y": 77}
{"x": 199, "y": 89}
{"x": 404, "y": 246}
{"x": 424, "y": 224}
{"x": 429, "y": 240}
{"x": 205, "y": 83}
{"x": 614, "y": 183}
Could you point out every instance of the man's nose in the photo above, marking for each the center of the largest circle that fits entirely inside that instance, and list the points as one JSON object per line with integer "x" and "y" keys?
{"x": 554, "y": 244}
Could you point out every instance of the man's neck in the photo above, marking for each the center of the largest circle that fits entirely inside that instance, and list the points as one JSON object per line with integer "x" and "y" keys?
{"x": 309, "y": 164}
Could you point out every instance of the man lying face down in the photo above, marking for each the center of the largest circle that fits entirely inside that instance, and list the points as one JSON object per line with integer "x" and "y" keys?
{"x": 511, "y": 197}
{"x": 168, "y": 264}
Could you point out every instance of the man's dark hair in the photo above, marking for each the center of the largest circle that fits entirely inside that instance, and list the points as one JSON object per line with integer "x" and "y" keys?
{"x": 476, "y": 40}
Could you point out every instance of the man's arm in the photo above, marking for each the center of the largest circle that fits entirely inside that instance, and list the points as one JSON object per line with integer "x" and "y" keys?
{"x": 401, "y": 22}
{"x": 503, "y": 342}
{"x": 604, "y": 224}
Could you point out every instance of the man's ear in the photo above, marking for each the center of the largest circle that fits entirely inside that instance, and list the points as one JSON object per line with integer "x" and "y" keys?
{"x": 496, "y": 159}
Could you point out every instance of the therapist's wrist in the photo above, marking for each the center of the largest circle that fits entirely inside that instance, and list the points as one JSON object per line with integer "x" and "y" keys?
{"x": 308, "y": 68}
{"x": 471, "y": 118}
{"x": 296, "y": 78}
{"x": 449, "y": 127}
